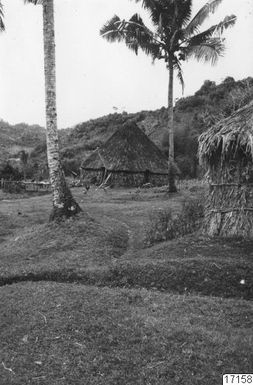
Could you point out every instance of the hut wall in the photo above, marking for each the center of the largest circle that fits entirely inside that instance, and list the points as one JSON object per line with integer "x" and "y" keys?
{"x": 229, "y": 204}
{"x": 93, "y": 176}
{"x": 124, "y": 178}
{"x": 127, "y": 179}
{"x": 158, "y": 179}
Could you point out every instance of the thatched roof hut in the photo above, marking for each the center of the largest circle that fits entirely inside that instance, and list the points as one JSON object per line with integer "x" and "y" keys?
{"x": 130, "y": 157}
{"x": 226, "y": 150}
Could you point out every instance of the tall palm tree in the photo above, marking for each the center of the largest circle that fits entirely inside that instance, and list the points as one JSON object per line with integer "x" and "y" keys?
{"x": 174, "y": 38}
{"x": 64, "y": 204}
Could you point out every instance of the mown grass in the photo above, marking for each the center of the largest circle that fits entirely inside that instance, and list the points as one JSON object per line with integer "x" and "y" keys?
{"x": 66, "y": 334}
{"x": 172, "y": 313}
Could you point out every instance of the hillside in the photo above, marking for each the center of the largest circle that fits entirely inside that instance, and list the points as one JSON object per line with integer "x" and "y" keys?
{"x": 193, "y": 115}
{"x": 14, "y": 138}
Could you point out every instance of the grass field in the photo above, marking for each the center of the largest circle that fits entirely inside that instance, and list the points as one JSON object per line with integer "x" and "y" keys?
{"x": 85, "y": 302}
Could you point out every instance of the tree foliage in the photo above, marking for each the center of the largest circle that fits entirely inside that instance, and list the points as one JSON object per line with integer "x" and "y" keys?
{"x": 175, "y": 34}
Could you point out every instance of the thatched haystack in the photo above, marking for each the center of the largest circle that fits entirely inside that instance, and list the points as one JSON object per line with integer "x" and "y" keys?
{"x": 128, "y": 158}
{"x": 227, "y": 152}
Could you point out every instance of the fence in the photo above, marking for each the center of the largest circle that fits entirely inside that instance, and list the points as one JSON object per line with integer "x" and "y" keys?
{"x": 20, "y": 186}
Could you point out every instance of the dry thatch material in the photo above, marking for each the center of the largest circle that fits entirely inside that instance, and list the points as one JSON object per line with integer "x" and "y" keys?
{"x": 130, "y": 150}
{"x": 227, "y": 152}
{"x": 230, "y": 139}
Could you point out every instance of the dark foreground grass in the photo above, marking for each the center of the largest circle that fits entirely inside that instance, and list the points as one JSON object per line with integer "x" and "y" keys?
{"x": 67, "y": 334}
{"x": 86, "y": 251}
{"x": 76, "y": 244}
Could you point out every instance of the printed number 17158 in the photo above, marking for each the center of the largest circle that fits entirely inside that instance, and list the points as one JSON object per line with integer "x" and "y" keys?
{"x": 237, "y": 379}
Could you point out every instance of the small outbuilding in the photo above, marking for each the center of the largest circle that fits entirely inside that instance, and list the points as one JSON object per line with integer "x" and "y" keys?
{"x": 226, "y": 150}
{"x": 128, "y": 158}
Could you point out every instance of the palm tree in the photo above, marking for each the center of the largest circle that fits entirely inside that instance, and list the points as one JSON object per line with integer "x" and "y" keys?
{"x": 175, "y": 37}
{"x": 64, "y": 204}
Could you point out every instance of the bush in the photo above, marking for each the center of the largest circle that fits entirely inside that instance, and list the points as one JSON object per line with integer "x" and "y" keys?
{"x": 40, "y": 149}
{"x": 186, "y": 166}
{"x": 192, "y": 214}
{"x": 189, "y": 103}
{"x": 159, "y": 226}
{"x": 118, "y": 239}
{"x": 7, "y": 171}
{"x": 164, "y": 225}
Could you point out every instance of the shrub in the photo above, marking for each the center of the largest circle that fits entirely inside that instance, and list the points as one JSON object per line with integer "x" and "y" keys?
{"x": 7, "y": 171}
{"x": 40, "y": 149}
{"x": 190, "y": 102}
{"x": 192, "y": 215}
{"x": 186, "y": 166}
{"x": 117, "y": 239}
{"x": 159, "y": 226}
{"x": 164, "y": 225}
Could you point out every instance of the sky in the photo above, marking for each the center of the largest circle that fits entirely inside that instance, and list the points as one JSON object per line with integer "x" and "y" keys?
{"x": 94, "y": 76}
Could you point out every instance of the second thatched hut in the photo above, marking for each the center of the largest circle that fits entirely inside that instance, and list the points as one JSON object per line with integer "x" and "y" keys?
{"x": 128, "y": 158}
{"x": 227, "y": 152}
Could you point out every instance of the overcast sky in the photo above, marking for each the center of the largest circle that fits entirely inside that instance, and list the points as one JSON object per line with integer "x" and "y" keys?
{"x": 93, "y": 76}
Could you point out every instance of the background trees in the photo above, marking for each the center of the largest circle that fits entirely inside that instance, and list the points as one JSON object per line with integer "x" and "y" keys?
{"x": 24, "y": 156}
{"x": 174, "y": 38}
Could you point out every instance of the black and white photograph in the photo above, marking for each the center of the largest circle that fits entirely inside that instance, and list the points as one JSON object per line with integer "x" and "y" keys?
{"x": 126, "y": 192}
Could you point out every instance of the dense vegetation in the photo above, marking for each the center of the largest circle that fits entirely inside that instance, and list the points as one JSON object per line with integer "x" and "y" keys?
{"x": 193, "y": 115}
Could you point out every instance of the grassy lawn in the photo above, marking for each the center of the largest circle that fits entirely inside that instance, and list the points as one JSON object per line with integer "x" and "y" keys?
{"x": 71, "y": 334}
{"x": 86, "y": 302}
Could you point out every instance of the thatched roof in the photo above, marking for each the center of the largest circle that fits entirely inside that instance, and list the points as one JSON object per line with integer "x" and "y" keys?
{"x": 229, "y": 139}
{"x": 128, "y": 149}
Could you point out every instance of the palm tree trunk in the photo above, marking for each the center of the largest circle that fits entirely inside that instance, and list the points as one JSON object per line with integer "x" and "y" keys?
{"x": 63, "y": 203}
{"x": 171, "y": 166}
{"x": 2, "y": 26}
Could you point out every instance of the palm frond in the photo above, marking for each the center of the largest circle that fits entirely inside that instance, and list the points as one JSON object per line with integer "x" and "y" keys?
{"x": 208, "y": 51}
{"x": 134, "y": 33}
{"x": 2, "y": 27}
{"x": 136, "y": 24}
{"x": 137, "y": 35}
{"x": 159, "y": 10}
{"x": 201, "y": 16}
{"x": 229, "y": 21}
{"x": 133, "y": 45}
{"x": 113, "y": 29}
{"x": 186, "y": 12}
{"x": 183, "y": 11}
{"x": 214, "y": 31}
{"x": 167, "y": 14}
{"x": 35, "y": 2}
{"x": 200, "y": 37}
{"x": 177, "y": 66}
{"x": 147, "y": 4}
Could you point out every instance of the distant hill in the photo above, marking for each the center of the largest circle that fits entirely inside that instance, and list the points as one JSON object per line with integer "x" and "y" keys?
{"x": 14, "y": 138}
{"x": 193, "y": 115}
